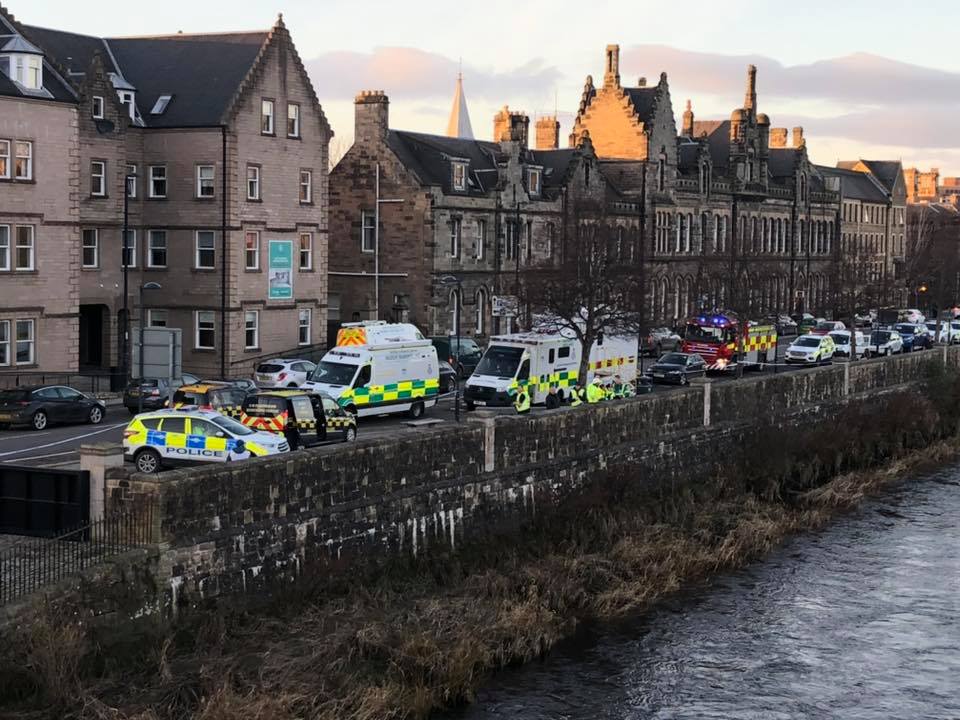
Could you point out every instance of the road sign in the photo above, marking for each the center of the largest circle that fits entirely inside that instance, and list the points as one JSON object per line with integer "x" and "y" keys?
{"x": 162, "y": 353}
{"x": 505, "y": 306}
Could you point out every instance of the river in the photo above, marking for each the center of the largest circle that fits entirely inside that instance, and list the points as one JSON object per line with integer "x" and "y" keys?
{"x": 860, "y": 621}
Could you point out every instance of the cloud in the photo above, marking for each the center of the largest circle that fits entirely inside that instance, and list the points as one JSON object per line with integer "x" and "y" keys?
{"x": 409, "y": 73}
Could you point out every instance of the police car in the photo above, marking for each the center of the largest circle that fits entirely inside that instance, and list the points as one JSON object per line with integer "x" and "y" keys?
{"x": 175, "y": 437}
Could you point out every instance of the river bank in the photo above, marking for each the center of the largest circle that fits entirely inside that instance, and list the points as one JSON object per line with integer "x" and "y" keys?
{"x": 406, "y": 641}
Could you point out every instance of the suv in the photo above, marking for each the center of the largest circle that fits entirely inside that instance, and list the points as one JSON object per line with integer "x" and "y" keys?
{"x": 466, "y": 360}
{"x": 915, "y": 336}
{"x": 223, "y": 397}
{"x": 660, "y": 340}
{"x": 155, "y": 392}
{"x": 283, "y": 373}
{"x": 304, "y": 418}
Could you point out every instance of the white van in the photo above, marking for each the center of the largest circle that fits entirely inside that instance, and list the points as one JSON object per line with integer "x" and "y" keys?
{"x": 378, "y": 368}
{"x": 538, "y": 361}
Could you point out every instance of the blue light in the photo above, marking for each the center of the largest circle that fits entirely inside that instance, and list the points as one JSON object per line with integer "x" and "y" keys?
{"x": 702, "y": 319}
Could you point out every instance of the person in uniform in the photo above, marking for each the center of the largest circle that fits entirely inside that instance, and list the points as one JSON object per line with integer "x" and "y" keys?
{"x": 521, "y": 402}
{"x": 595, "y": 391}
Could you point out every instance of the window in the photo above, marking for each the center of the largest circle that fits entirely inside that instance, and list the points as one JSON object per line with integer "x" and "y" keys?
{"x": 205, "y": 255}
{"x": 158, "y": 181}
{"x": 455, "y": 227}
{"x": 459, "y": 176}
{"x": 293, "y": 120}
{"x": 480, "y": 326}
{"x": 529, "y": 239}
{"x": 157, "y": 318}
{"x": 4, "y": 342}
{"x": 306, "y": 186}
{"x": 98, "y": 180}
{"x": 266, "y": 117}
{"x": 481, "y": 239}
{"x": 304, "y": 321}
{"x": 4, "y": 247}
{"x": 97, "y": 107}
{"x": 205, "y": 330}
{"x": 24, "y": 250}
{"x": 4, "y": 159}
{"x": 25, "y": 342}
{"x": 306, "y": 251}
{"x": 455, "y": 311}
{"x": 132, "y": 181}
{"x": 251, "y": 329}
{"x": 253, "y": 182}
{"x": 128, "y": 257}
{"x": 157, "y": 249}
{"x": 160, "y": 106}
{"x": 23, "y": 162}
{"x": 512, "y": 240}
{"x": 533, "y": 181}
{"x": 368, "y": 232}
{"x": 205, "y": 181}
{"x": 252, "y": 250}
{"x": 90, "y": 251}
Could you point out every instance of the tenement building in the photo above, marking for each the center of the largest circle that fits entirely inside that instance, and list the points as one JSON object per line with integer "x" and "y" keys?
{"x": 211, "y": 150}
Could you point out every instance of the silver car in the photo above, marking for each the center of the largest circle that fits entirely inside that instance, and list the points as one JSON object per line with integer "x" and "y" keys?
{"x": 282, "y": 373}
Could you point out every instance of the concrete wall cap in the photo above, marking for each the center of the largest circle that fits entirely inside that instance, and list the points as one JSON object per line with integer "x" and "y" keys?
{"x": 101, "y": 448}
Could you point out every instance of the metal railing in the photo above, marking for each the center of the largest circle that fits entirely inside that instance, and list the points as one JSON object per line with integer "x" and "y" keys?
{"x": 36, "y": 562}
{"x": 92, "y": 382}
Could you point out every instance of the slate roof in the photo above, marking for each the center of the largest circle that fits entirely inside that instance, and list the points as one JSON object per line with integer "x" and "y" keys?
{"x": 626, "y": 176}
{"x": 717, "y": 133}
{"x": 688, "y": 155}
{"x": 782, "y": 162}
{"x": 74, "y": 52}
{"x": 56, "y": 87}
{"x": 856, "y": 185}
{"x": 886, "y": 171}
{"x": 429, "y": 157}
{"x": 642, "y": 100}
{"x": 555, "y": 164}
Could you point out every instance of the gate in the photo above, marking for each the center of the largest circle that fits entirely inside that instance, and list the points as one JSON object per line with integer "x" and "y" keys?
{"x": 42, "y": 501}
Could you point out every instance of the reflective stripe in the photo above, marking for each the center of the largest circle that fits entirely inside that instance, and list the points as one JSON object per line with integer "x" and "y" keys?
{"x": 158, "y": 438}
{"x": 611, "y": 362}
{"x": 377, "y": 394}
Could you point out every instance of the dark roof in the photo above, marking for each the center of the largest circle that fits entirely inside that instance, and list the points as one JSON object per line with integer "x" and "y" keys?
{"x": 782, "y": 162}
{"x": 717, "y": 133}
{"x": 642, "y": 100}
{"x": 57, "y": 87}
{"x": 688, "y": 156}
{"x": 74, "y": 52}
{"x": 626, "y": 176}
{"x": 856, "y": 185}
{"x": 429, "y": 157}
{"x": 886, "y": 171}
{"x": 555, "y": 164}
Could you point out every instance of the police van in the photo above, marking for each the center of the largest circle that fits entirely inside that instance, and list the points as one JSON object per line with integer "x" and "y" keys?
{"x": 304, "y": 418}
{"x": 379, "y": 368}
{"x": 537, "y": 361}
{"x": 162, "y": 438}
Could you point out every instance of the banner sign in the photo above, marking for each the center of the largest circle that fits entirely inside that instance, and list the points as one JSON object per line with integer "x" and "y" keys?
{"x": 505, "y": 306}
{"x": 280, "y": 270}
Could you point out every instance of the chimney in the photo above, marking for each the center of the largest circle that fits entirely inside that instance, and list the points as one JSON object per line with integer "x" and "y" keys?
{"x": 641, "y": 82}
{"x": 371, "y": 115}
{"x": 511, "y": 126}
{"x": 778, "y": 137}
{"x": 501, "y": 124}
{"x": 611, "y": 73}
{"x": 798, "y": 141}
{"x": 750, "y": 101}
{"x": 688, "y": 120}
{"x": 548, "y": 133}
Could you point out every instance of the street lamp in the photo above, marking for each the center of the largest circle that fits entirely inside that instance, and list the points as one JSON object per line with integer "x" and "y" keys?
{"x": 143, "y": 286}
{"x": 447, "y": 281}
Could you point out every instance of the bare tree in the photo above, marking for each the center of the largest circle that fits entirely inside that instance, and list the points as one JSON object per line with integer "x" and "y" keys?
{"x": 338, "y": 148}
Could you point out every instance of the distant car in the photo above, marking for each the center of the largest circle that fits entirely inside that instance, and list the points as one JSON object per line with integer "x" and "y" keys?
{"x": 678, "y": 368}
{"x": 914, "y": 336}
{"x": 936, "y": 332}
{"x": 805, "y": 322}
{"x": 43, "y": 405}
{"x": 248, "y": 386}
{"x": 953, "y": 335}
{"x": 841, "y": 339}
{"x": 223, "y": 397}
{"x": 448, "y": 377}
{"x": 786, "y": 325}
{"x": 659, "y": 340}
{"x": 911, "y": 315}
{"x": 466, "y": 359}
{"x": 283, "y": 373}
{"x": 825, "y": 327}
{"x": 885, "y": 342}
{"x": 811, "y": 350}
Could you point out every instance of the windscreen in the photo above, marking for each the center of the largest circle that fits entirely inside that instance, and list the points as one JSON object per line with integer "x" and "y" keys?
{"x": 232, "y": 426}
{"x": 808, "y": 342}
{"x": 880, "y": 337}
{"x": 264, "y": 406}
{"x": 700, "y": 333}
{"x": 13, "y": 396}
{"x": 333, "y": 373}
{"x": 500, "y": 361}
{"x": 673, "y": 359}
{"x": 269, "y": 368}
{"x": 905, "y": 329}
{"x": 840, "y": 338}
{"x": 188, "y": 398}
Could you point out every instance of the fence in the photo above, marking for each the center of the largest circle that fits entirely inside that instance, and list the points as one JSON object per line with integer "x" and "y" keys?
{"x": 36, "y": 562}
{"x": 102, "y": 382}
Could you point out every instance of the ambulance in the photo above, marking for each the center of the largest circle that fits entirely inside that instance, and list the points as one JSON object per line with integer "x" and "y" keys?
{"x": 379, "y": 368}
{"x": 536, "y": 361}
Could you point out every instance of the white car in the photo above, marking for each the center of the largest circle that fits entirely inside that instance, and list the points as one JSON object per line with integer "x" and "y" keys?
{"x": 912, "y": 315}
{"x": 951, "y": 333}
{"x": 283, "y": 373}
{"x": 841, "y": 339}
{"x": 885, "y": 342}
{"x": 811, "y": 350}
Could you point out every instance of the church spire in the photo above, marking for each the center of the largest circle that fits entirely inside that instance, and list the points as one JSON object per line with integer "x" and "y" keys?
{"x": 459, "y": 123}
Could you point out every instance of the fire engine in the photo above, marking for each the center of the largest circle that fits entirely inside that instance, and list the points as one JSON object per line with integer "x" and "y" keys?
{"x": 716, "y": 338}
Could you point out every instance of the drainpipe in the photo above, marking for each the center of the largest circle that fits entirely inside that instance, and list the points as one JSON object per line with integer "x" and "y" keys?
{"x": 223, "y": 252}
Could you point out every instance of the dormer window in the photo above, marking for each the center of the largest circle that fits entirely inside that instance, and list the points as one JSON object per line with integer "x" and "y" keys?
{"x": 534, "y": 180}
{"x": 160, "y": 106}
{"x": 97, "y": 107}
{"x": 22, "y": 62}
{"x": 459, "y": 176}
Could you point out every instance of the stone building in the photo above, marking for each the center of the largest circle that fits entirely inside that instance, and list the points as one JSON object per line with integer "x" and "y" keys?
{"x": 221, "y": 145}
{"x": 922, "y": 186}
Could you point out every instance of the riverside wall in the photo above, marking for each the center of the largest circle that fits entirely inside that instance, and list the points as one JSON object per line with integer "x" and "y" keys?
{"x": 253, "y": 527}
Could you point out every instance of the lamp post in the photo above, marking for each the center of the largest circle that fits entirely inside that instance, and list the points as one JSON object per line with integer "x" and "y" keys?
{"x": 446, "y": 281}
{"x": 143, "y": 286}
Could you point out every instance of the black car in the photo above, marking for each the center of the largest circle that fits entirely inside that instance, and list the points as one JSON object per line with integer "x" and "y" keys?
{"x": 448, "y": 377}
{"x": 466, "y": 359}
{"x": 678, "y": 368}
{"x": 43, "y": 405}
{"x": 155, "y": 392}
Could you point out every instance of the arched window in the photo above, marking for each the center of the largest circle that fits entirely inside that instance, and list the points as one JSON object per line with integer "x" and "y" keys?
{"x": 678, "y": 243}
{"x": 754, "y": 236}
{"x": 704, "y": 228}
{"x": 454, "y": 303}
{"x": 686, "y": 237}
{"x": 480, "y": 325}
{"x": 677, "y": 297}
{"x": 801, "y": 228}
{"x": 716, "y": 233}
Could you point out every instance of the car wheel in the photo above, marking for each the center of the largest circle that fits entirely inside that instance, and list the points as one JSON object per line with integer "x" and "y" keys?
{"x": 350, "y": 435}
{"x": 39, "y": 420}
{"x": 147, "y": 461}
{"x": 416, "y": 410}
{"x": 292, "y": 385}
{"x": 96, "y": 415}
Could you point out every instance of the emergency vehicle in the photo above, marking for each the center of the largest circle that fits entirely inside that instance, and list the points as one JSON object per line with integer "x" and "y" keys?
{"x": 303, "y": 418}
{"x": 223, "y": 397}
{"x": 379, "y": 368}
{"x": 176, "y": 437}
{"x": 716, "y": 338}
{"x": 537, "y": 361}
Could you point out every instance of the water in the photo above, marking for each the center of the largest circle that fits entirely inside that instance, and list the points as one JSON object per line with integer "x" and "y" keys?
{"x": 859, "y": 622}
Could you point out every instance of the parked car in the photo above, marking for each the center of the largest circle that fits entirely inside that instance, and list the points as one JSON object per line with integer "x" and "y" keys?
{"x": 805, "y": 322}
{"x": 911, "y": 315}
{"x": 283, "y": 373}
{"x": 465, "y": 360}
{"x": 675, "y": 367}
{"x": 659, "y": 340}
{"x": 953, "y": 334}
{"x": 937, "y": 330}
{"x": 786, "y": 325}
{"x": 155, "y": 392}
{"x": 811, "y": 350}
{"x": 914, "y": 336}
{"x": 825, "y": 327}
{"x": 248, "y": 386}
{"x": 224, "y": 398}
{"x": 885, "y": 342}
{"x": 448, "y": 377}
{"x": 304, "y": 418}
{"x": 841, "y": 341}
{"x": 40, "y": 406}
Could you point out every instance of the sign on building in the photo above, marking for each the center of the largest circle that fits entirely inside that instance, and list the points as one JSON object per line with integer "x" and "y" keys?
{"x": 162, "y": 353}
{"x": 280, "y": 270}
{"x": 505, "y": 306}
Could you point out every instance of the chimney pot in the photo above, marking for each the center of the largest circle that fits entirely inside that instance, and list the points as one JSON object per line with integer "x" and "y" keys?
{"x": 371, "y": 115}
{"x": 548, "y": 133}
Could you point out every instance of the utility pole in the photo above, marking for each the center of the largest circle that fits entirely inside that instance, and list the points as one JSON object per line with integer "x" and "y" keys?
{"x": 376, "y": 241}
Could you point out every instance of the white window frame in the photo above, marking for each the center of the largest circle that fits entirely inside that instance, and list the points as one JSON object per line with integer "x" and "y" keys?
{"x": 211, "y": 249}
{"x": 18, "y": 156}
{"x": 481, "y": 239}
{"x": 301, "y": 314}
{"x": 5, "y": 159}
{"x": 84, "y": 246}
{"x": 151, "y": 234}
{"x": 160, "y": 106}
{"x": 268, "y": 128}
{"x": 158, "y": 317}
{"x": 131, "y": 180}
{"x": 253, "y": 182}
{"x": 295, "y": 118}
{"x": 131, "y": 246}
{"x": 309, "y": 252}
{"x": 98, "y": 180}
{"x": 5, "y": 247}
{"x": 212, "y": 327}
{"x": 31, "y": 341}
{"x": 456, "y": 235}
{"x": 32, "y": 247}
{"x": 154, "y": 178}
{"x": 306, "y": 186}
{"x": 534, "y": 181}
{"x": 255, "y": 265}
{"x": 206, "y": 183}
{"x": 5, "y": 357}
{"x": 97, "y": 105}
{"x": 34, "y": 76}
{"x": 249, "y": 328}
{"x": 368, "y": 215}
{"x": 459, "y": 179}
{"x": 481, "y": 304}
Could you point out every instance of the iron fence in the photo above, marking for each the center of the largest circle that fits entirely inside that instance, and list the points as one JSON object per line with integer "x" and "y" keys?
{"x": 94, "y": 382}
{"x": 33, "y": 563}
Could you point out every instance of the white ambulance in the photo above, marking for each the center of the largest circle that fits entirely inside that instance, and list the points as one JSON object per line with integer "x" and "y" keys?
{"x": 537, "y": 361}
{"x": 378, "y": 368}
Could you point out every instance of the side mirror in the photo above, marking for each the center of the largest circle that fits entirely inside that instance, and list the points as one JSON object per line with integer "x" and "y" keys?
{"x": 220, "y": 434}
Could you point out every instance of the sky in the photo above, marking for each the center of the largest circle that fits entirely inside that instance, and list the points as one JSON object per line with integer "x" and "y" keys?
{"x": 869, "y": 79}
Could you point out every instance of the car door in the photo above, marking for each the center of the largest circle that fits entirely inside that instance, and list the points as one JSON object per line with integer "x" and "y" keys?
{"x": 696, "y": 366}
{"x": 335, "y": 418}
{"x": 76, "y": 407}
{"x": 174, "y": 439}
{"x": 310, "y": 426}
{"x": 206, "y": 441}
{"x": 48, "y": 399}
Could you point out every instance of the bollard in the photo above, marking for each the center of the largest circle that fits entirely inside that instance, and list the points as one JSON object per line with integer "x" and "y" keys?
{"x": 96, "y": 458}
